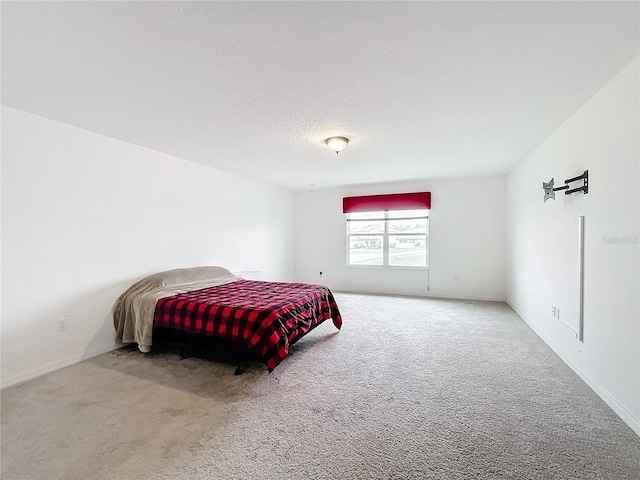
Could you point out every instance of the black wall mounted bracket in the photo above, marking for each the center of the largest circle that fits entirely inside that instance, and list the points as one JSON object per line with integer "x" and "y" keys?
{"x": 549, "y": 191}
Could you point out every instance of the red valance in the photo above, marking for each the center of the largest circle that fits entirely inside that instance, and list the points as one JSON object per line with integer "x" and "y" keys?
{"x": 394, "y": 201}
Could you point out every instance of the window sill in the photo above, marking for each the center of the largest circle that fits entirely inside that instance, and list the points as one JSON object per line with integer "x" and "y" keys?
{"x": 389, "y": 267}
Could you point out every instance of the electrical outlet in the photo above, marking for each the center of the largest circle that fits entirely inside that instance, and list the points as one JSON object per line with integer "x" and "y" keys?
{"x": 63, "y": 324}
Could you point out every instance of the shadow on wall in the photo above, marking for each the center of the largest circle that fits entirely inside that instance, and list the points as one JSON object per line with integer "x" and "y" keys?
{"x": 94, "y": 305}
{"x": 104, "y": 338}
{"x": 89, "y": 312}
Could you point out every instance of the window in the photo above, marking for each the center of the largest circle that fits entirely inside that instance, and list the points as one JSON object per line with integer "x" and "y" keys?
{"x": 388, "y": 238}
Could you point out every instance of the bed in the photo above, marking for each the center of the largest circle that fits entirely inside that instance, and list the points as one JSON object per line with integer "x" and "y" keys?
{"x": 260, "y": 320}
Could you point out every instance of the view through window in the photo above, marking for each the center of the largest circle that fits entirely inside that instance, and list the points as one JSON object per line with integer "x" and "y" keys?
{"x": 395, "y": 238}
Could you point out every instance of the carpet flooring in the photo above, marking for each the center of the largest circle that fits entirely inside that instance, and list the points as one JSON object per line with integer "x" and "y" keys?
{"x": 410, "y": 388}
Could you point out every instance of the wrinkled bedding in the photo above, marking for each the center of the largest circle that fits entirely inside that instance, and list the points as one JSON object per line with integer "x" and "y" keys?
{"x": 263, "y": 318}
{"x": 134, "y": 309}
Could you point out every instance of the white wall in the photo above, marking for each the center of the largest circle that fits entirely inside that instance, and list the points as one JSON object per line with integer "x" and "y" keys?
{"x": 542, "y": 254}
{"x": 84, "y": 216}
{"x": 467, "y": 240}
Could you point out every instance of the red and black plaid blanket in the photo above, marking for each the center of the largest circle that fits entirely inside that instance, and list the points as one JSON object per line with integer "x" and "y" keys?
{"x": 264, "y": 317}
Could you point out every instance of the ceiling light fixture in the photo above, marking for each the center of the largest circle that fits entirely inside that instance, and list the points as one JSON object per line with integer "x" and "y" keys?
{"x": 337, "y": 144}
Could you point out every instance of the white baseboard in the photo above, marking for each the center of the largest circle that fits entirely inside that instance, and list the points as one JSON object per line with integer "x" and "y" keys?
{"x": 57, "y": 365}
{"x": 468, "y": 297}
{"x": 427, "y": 295}
{"x": 603, "y": 393}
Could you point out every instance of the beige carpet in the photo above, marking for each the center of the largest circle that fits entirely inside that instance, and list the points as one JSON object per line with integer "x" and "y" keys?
{"x": 410, "y": 388}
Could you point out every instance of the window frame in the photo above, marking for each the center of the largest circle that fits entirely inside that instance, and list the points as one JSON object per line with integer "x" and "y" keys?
{"x": 385, "y": 239}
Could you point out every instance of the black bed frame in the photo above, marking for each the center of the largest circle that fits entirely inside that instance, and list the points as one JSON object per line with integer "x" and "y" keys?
{"x": 217, "y": 349}
{"x": 212, "y": 348}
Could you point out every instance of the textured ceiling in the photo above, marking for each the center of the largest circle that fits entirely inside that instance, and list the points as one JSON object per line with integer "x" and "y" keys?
{"x": 422, "y": 89}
